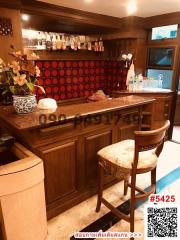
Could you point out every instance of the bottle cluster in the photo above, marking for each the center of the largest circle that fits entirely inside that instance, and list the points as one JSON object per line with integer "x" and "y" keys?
{"x": 58, "y": 41}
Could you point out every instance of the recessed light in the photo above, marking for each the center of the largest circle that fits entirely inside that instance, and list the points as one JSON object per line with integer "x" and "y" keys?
{"x": 25, "y": 17}
{"x": 88, "y": 1}
{"x": 131, "y": 7}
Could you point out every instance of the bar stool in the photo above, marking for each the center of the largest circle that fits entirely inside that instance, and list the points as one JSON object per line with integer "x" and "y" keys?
{"x": 131, "y": 157}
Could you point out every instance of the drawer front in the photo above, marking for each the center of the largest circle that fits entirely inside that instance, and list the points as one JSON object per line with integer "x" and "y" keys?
{"x": 162, "y": 109}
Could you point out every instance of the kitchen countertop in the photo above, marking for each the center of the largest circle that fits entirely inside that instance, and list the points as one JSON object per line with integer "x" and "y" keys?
{"x": 10, "y": 118}
{"x": 147, "y": 90}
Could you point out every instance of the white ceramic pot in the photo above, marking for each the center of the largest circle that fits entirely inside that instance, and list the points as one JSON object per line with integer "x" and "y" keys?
{"x": 24, "y": 104}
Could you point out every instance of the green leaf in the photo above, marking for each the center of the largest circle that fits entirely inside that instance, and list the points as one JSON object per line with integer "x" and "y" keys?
{"x": 30, "y": 86}
{"x": 12, "y": 89}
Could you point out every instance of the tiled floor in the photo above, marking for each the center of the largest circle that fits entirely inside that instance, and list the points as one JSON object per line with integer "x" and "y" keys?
{"x": 75, "y": 219}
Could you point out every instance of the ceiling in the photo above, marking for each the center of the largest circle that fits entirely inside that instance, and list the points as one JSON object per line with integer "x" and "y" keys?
{"x": 118, "y": 8}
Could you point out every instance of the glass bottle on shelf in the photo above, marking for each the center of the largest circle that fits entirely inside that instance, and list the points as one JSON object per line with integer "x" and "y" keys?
{"x": 131, "y": 84}
{"x": 89, "y": 46}
{"x": 39, "y": 40}
{"x": 72, "y": 43}
{"x": 160, "y": 80}
{"x": 58, "y": 42}
{"x": 140, "y": 79}
{"x": 43, "y": 41}
{"x": 88, "y": 43}
{"x": 63, "y": 43}
{"x": 68, "y": 42}
{"x": 54, "y": 42}
{"x": 75, "y": 43}
{"x": 82, "y": 41}
{"x": 48, "y": 42}
{"x": 101, "y": 46}
{"x": 96, "y": 46}
{"x": 78, "y": 42}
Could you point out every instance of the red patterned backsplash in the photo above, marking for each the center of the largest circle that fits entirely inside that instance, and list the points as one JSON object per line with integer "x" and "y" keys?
{"x": 72, "y": 79}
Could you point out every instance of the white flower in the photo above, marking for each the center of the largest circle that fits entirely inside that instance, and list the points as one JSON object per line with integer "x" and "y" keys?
{"x": 37, "y": 71}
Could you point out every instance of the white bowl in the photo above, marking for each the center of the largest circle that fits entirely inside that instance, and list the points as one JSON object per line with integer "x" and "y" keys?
{"x": 47, "y": 103}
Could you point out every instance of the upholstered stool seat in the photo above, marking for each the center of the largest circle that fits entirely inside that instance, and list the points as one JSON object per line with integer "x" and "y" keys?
{"x": 122, "y": 155}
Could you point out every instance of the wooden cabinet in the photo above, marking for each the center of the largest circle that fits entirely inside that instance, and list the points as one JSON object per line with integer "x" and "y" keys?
{"x": 60, "y": 164}
{"x": 127, "y": 132}
{"x": 161, "y": 108}
{"x": 177, "y": 113}
{"x": 71, "y": 163}
{"x": 93, "y": 142}
{"x": 69, "y": 150}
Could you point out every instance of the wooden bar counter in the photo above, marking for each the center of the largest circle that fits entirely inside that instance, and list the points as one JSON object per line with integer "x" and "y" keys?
{"x": 68, "y": 140}
{"x": 162, "y": 106}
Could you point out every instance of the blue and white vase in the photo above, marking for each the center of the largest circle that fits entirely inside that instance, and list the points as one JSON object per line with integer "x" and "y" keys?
{"x": 24, "y": 104}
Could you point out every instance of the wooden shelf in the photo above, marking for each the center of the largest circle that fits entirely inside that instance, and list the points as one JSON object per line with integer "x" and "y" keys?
{"x": 69, "y": 55}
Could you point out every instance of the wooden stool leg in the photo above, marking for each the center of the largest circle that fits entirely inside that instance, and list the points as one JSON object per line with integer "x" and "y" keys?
{"x": 126, "y": 181}
{"x": 100, "y": 187}
{"x": 132, "y": 203}
{"x": 153, "y": 177}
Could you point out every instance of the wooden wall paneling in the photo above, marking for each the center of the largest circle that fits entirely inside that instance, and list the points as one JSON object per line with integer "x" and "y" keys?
{"x": 16, "y": 38}
{"x": 15, "y": 4}
{"x": 53, "y": 23}
{"x": 130, "y": 45}
{"x": 162, "y": 20}
{"x": 72, "y": 19}
{"x": 64, "y": 13}
{"x": 140, "y": 56}
{"x": 126, "y": 33}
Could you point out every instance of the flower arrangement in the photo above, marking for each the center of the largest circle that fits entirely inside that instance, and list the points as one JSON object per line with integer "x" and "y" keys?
{"x": 21, "y": 75}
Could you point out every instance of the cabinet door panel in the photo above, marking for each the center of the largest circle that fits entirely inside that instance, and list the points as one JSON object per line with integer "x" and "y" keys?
{"x": 60, "y": 170}
{"x": 93, "y": 144}
{"x": 127, "y": 132}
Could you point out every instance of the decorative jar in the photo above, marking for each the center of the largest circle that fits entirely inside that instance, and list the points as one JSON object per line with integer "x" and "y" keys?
{"x": 24, "y": 104}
